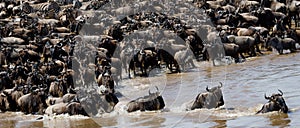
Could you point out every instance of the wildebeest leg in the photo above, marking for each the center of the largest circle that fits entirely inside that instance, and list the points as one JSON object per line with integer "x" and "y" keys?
{"x": 142, "y": 69}
{"x": 182, "y": 67}
{"x": 258, "y": 50}
{"x": 236, "y": 57}
{"x": 293, "y": 48}
{"x": 40, "y": 111}
{"x": 262, "y": 110}
{"x": 129, "y": 73}
{"x": 169, "y": 66}
{"x": 252, "y": 50}
{"x": 134, "y": 72}
{"x": 131, "y": 67}
{"x": 192, "y": 63}
{"x": 241, "y": 54}
{"x": 280, "y": 51}
{"x": 177, "y": 68}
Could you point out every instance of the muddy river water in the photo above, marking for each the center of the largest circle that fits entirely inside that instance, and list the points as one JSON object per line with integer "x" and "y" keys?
{"x": 244, "y": 87}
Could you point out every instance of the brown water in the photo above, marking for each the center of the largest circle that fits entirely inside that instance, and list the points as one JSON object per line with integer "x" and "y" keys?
{"x": 244, "y": 87}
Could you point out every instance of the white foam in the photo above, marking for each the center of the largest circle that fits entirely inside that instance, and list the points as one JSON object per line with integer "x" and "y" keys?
{"x": 64, "y": 116}
{"x": 294, "y": 109}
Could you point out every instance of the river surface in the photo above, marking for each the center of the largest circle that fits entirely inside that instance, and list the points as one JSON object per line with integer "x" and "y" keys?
{"x": 244, "y": 86}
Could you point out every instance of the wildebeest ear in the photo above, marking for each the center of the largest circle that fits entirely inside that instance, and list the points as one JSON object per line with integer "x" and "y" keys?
{"x": 281, "y": 93}
{"x": 221, "y": 85}
{"x": 207, "y": 88}
{"x": 157, "y": 90}
{"x": 268, "y": 98}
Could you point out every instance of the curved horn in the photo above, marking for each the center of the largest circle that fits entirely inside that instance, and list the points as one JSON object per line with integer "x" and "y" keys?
{"x": 157, "y": 93}
{"x": 149, "y": 92}
{"x": 268, "y": 98}
{"x": 157, "y": 89}
{"x": 280, "y": 92}
{"x": 221, "y": 84}
{"x": 207, "y": 88}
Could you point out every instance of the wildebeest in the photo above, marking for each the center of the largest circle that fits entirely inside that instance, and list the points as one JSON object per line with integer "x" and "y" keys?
{"x": 57, "y": 89}
{"x": 137, "y": 62}
{"x": 154, "y": 101}
{"x": 67, "y": 98}
{"x": 282, "y": 44}
{"x": 232, "y": 50}
{"x": 246, "y": 31}
{"x": 12, "y": 97}
{"x": 73, "y": 108}
{"x": 33, "y": 102}
{"x": 275, "y": 103}
{"x": 125, "y": 55}
{"x": 213, "y": 98}
{"x": 107, "y": 80}
{"x": 246, "y": 44}
{"x": 184, "y": 57}
{"x": 97, "y": 100}
{"x": 166, "y": 58}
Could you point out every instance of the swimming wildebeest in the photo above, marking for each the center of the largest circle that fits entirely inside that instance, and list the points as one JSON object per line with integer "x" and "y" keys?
{"x": 153, "y": 101}
{"x": 275, "y": 103}
{"x": 213, "y": 98}
{"x": 72, "y": 108}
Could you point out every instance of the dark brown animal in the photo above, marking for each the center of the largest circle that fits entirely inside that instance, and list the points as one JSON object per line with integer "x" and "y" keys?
{"x": 275, "y": 103}
{"x": 213, "y": 98}
{"x": 33, "y": 102}
{"x": 154, "y": 101}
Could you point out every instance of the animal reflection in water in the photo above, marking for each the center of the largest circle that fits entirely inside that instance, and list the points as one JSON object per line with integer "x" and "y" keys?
{"x": 154, "y": 101}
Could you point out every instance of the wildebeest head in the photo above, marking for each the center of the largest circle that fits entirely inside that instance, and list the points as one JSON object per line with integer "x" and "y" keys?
{"x": 274, "y": 42}
{"x": 213, "y": 98}
{"x": 153, "y": 101}
{"x": 103, "y": 90}
{"x": 108, "y": 97}
{"x": 276, "y": 103}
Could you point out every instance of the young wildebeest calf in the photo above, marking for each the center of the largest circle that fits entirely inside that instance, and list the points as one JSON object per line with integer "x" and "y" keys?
{"x": 213, "y": 98}
{"x": 153, "y": 101}
{"x": 275, "y": 103}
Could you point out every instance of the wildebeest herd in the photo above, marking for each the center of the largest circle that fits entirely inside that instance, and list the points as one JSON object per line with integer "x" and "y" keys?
{"x": 38, "y": 38}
